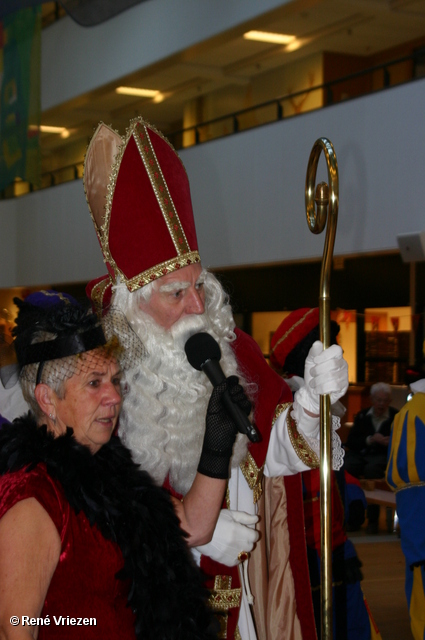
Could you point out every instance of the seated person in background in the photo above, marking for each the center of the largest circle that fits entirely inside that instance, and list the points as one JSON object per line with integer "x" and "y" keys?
{"x": 406, "y": 476}
{"x": 367, "y": 443}
{"x": 84, "y": 532}
{"x": 290, "y": 347}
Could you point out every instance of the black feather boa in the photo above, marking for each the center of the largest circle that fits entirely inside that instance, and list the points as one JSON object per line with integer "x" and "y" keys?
{"x": 166, "y": 591}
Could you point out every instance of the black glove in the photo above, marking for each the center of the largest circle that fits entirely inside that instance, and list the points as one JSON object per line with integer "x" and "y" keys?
{"x": 220, "y": 431}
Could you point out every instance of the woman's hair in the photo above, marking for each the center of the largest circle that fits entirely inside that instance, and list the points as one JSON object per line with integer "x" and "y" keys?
{"x": 56, "y": 372}
{"x": 53, "y": 333}
{"x": 53, "y": 374}
{"x": 57, "y": 338}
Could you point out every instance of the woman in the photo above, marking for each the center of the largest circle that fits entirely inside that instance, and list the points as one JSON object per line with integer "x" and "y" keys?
{"x": 83, "y": 532}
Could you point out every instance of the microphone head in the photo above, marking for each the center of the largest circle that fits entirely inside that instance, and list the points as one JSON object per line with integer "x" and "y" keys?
{"x": 200, "y": 348}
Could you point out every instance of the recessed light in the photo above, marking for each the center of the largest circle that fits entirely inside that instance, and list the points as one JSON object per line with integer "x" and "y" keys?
{"x": 267, "y": 36}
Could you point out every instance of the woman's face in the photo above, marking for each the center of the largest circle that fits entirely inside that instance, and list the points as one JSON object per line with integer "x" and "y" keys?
{"x": 92, "y": 401}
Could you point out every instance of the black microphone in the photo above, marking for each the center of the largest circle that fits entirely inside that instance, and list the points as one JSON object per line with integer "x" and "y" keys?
{"x": 203, "y": 353}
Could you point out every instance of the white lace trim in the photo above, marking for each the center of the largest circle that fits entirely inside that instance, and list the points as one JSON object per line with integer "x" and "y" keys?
{"x": 336, "y": 445}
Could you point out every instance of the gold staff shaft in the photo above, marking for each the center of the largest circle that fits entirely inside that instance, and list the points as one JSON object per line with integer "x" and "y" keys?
{"x": 326, "y": 199}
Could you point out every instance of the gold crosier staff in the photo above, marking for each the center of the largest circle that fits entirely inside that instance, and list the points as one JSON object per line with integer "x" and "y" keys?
{"x": 326, "y": 199}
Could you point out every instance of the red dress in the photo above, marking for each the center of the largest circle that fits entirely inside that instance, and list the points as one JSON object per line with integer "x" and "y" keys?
{"x": 83, "y": 584}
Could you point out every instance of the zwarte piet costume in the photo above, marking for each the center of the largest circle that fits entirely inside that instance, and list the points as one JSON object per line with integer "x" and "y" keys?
{"x": 406, "y": 476}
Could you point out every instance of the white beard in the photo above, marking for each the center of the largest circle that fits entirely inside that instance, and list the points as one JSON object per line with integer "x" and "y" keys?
{"x": 163, "y": 416}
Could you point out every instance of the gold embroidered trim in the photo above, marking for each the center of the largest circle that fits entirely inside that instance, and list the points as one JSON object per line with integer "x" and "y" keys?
{"x": 223, "y": 597}
{"x": 58, "y": 294}
{"x": 103, "y": 230}
{"x": 302, "y": 449}
{"x": 280, "y": 409}
{"x": 253, "y": 475}
{"x": 160, "y": 188}
{"x": 222, "y": 619}
{"x": 410, "y": 485}
{"x": 185, "y": 257}
{"x": 294, "y": 326}
{"x": 237, "y": 634}
{"x": 98, "y": 292}
{"x": 160, "y": 270}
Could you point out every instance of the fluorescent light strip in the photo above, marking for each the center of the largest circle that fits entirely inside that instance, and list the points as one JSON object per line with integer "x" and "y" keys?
{"x": 297, "y": 44}
{"x": 45, "y": 128}
{"x": 267, "y": 36}
{"x": 134, "y": 91}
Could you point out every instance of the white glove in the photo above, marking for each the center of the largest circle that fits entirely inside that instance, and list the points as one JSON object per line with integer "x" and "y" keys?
{"x": 325, "y": 372}
{"x": 233, "y": 533}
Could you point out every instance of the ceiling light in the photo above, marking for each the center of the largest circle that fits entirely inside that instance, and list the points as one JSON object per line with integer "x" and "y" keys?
{"x": 267, "y": 36}
{"x": 297, "y": 43}
{"x": 135, "y": 91}
{"x": 45, "y": 128}
{"x": 160, "y": 97}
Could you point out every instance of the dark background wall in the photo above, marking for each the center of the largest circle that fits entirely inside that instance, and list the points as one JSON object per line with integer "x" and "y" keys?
{"x": 371, "y": 281}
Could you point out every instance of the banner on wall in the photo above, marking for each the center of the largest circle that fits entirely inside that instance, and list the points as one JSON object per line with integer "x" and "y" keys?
{"x": 87, "y": 13}
{"x": 20, "y": 52}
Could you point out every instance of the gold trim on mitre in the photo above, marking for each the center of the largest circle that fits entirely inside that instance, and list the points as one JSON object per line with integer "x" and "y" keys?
{"x": 99, "y": 160}
{"x": 160, "y": 187}
{"x": 160, "y": 270}
{"x": 107, "y": 148}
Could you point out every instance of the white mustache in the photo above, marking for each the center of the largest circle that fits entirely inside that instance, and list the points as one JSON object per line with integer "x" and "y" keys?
{"x": 183, "y": 329}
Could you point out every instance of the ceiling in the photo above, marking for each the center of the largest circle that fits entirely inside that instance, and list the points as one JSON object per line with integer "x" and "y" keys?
{"x": 356, "y": 27}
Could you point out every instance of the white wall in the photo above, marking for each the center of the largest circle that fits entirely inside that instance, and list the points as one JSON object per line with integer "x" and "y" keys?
{"x": 248, "y": 189}
{"x": 77, "y": 59}
{"x": 52, "y": 239}
{"x": 248, "y": 194}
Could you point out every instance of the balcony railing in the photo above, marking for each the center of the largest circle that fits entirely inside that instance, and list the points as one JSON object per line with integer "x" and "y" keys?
{"x": 377, "y": 78}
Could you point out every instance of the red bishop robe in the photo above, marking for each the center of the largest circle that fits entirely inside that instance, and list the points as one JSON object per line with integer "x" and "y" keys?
{"x": 278, "y": 568}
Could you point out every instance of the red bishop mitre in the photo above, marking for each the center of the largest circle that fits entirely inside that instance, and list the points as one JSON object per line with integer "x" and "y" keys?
{"x": 139, "y": 199}
{"x": 290, "y": 332}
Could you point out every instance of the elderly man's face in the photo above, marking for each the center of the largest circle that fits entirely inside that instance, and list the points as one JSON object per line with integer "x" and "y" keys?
{"x": 175, "y": 295}
{"x": 380, "y": 403}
